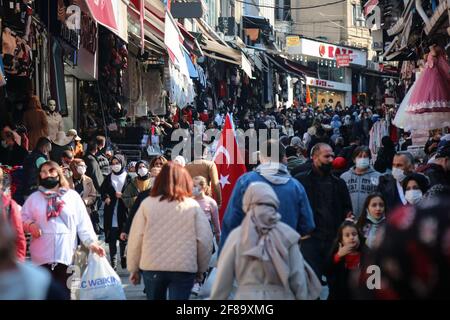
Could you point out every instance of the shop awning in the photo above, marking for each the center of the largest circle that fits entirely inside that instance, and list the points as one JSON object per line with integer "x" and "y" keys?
{"x": 289, "y": 66}
{"x": 112, "y": 15}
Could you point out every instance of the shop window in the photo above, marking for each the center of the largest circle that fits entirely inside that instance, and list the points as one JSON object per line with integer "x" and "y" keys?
{"x": 331, "y": 73}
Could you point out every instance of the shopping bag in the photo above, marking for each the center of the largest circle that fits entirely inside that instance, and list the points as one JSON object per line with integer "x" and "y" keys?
{"x": 100, "y": 281}
{"x": 205, "y": 291}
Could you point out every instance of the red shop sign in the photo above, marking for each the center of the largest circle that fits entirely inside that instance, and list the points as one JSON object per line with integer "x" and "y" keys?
{"x": 343, "y": 60}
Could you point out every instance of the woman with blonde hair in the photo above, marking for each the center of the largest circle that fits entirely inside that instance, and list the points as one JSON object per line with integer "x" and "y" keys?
{"x": 55, "y": 215}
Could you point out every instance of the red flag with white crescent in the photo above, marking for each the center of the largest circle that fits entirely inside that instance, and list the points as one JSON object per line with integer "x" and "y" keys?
{"x": 230, "y": 165}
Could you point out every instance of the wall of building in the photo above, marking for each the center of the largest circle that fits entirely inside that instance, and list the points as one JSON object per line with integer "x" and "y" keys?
{"x": 254, "y": 10}
{"x": 327, "y": 22}
{"x": 333, "y": 23}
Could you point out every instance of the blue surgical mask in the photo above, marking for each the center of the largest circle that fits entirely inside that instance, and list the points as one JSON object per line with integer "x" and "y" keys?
{"x": 362, "y": 163}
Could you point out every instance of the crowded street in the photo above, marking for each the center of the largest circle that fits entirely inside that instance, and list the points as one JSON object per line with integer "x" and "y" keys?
{"x": 224, "y": 150}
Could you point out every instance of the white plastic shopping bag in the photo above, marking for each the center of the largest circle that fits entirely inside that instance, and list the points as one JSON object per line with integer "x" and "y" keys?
{"x": 100, "y": 281}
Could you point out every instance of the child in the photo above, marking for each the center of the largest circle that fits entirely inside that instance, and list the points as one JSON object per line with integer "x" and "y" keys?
{"x": 345, "y": 259}
{"x": 209, "y": 207}
{"x": 372, "y": 217}
{"x": 208, "y": 204}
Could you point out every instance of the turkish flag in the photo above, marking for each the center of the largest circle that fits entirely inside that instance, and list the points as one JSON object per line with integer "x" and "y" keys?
{"x": 230, "y": 165}
{"x": 103, "y": 13}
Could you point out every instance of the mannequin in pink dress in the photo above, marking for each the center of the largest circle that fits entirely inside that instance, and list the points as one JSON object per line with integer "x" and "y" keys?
{"x": 429, "y": 104}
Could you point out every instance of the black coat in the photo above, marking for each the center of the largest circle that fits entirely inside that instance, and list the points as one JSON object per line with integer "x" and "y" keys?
{"x": 30, "y": 171}
{"x": 93, "y": 170}
{"x": 387, "y": 186}
{"x": 339, "y": 277}
{"x": 340, "y": 197}
{"x": 137, "y": 203}
{"x": 13, "y": 157}
{"x": 107, "y": 190}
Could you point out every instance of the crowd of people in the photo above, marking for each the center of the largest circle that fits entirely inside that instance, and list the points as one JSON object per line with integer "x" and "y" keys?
{"x": 309, "y": 215}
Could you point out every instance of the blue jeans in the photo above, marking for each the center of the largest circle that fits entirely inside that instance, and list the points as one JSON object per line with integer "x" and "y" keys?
{"x": 157, "y": 282}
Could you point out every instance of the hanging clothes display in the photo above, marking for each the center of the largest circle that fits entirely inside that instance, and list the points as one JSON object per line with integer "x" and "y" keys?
{"x": 378, "y": 131}
{"x": 429, "y": 104}
{"x": 181, "y": 87}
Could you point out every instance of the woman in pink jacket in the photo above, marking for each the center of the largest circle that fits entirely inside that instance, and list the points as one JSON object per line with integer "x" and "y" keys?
{"x": 11, "y": 212}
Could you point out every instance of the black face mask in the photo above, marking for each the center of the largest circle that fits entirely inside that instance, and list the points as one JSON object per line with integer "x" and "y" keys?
{"x": 326, "y": 168}
{"x": 49, "y": 182}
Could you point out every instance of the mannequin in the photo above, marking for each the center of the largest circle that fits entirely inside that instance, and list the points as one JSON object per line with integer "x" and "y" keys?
{"x": 54, "y": 119}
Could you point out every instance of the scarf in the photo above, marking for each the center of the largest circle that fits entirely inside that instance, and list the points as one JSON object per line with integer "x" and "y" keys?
{"x": 54, "y": 202}
{"x": 262, "y": 236}
{"x": 118, "y": 181}
{"x": 274, "y": 172}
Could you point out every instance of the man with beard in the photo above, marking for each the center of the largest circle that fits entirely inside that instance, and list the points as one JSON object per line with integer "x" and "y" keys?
{"x": 330, "y": 202}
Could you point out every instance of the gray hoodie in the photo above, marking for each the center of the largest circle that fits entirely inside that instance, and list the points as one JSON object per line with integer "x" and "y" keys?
{"x": 360, "y": 186}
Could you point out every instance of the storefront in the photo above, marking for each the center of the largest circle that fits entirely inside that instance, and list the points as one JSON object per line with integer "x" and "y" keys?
{"x": 327, "y": 93}
{"x": 334, "y": 65}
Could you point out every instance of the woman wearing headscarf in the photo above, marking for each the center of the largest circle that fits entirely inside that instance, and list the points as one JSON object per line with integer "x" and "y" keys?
{"x": 115, "y": 212}
{"x": 140, "y": 183}
{"x": 385, "y": 155}
{"x": 263, "y": 255}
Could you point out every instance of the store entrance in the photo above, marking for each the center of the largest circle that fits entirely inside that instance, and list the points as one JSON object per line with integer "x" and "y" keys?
{"x": 325, "y": 98}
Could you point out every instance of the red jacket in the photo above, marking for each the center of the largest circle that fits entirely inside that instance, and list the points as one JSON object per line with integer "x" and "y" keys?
{"x": 11, "y": 207}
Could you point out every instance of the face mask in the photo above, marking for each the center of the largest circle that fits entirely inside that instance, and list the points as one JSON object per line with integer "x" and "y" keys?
{"x": 49, "y": 182}
{"x": 362, "y": 163}
{"x": 116, "y": 168}
{"x": 132, "y": 174}
{"x": 413, "y": 196}
{"x": 251, "y": 125}
{"x": 398, "y": 174}
{"x": 196, "y": 191}
{"x": 142, "y": 172}
{"x": 326, "y": 168}
{"x": 81, "y": 170}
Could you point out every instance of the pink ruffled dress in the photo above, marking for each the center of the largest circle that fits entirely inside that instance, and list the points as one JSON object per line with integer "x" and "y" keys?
{"x": 429, "y": 103}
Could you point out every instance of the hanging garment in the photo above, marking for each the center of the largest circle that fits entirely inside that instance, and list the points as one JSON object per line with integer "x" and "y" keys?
{"x": 378, "y": 131}
{"x": 429, "y": 104}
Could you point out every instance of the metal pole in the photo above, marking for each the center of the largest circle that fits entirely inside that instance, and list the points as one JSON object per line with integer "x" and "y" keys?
{"x": 103, "y": 112}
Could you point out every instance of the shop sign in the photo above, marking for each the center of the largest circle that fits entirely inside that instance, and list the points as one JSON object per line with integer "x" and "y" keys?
{"x": 292, "y": 41}
{"x": 343, "y": 60}
{"x": 331, "y": 85}
{"x": 325, "y": 50}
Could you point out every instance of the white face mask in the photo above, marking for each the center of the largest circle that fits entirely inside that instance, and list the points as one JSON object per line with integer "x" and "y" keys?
{"x": 116, "y": 167}
{"x": 413, "y": 196}
{"x": 398, "y": 174}
{"x": 362, "y": 163}
{"x": 81, "y": 170}
{"x": 142, "y": 172}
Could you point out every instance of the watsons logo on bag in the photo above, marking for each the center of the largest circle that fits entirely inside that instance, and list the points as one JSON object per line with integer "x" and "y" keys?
{"x": 99, "y": 283}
